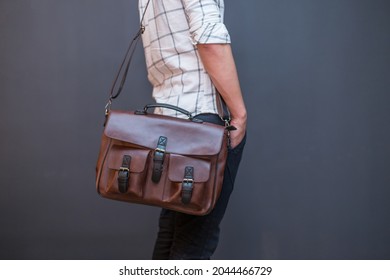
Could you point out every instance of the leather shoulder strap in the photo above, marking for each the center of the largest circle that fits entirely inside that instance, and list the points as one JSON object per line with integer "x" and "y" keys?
{"x": 125, "y": 65}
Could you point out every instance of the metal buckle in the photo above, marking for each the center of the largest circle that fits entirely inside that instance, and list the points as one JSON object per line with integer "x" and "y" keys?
{"x": 188, "y": 180}
{"x": 227, "y": 122}
{"x": 160, "y": 150}
{"x": 124, "y": 169}
{"x": 107, "y": 107}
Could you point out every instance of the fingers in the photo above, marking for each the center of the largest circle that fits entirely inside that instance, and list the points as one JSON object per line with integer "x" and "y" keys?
{"x": 236, "y": 136}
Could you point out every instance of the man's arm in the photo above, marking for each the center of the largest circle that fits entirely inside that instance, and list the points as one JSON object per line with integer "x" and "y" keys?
{"x": 219, "y": 63}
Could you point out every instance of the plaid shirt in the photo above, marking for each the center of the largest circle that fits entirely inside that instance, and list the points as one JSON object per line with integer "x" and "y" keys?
{"x": 173, "y": 28}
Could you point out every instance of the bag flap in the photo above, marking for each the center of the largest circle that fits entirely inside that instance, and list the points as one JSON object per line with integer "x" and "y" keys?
{"x": 184, "y": 136}
{"x": 138, "y": 158}
{"x": 178, "y": 163}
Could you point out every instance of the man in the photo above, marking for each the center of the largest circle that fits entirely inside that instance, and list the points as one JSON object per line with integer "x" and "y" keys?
{"x": 189, "y": 60}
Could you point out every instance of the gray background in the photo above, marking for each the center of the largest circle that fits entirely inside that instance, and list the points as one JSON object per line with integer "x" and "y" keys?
{"x": 314, "y": 183}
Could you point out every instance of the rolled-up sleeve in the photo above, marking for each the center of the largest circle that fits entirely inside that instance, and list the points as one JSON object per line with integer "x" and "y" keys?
{"x": 205, "y": 19}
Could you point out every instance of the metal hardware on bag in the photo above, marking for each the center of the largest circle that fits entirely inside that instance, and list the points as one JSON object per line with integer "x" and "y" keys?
{"x": 188, "y": 180}
{"x": 159, "y": 150}
{"x": 108, "y": 107}
{"x": 124, "y": 169}
{"x": 228, "y": 126}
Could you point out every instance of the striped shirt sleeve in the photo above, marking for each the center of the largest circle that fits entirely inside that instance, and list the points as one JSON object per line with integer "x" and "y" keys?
{"x": 205, "y": 20}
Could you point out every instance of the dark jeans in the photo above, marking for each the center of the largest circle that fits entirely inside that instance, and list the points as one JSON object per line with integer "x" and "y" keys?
{"x": 183, "y": 236}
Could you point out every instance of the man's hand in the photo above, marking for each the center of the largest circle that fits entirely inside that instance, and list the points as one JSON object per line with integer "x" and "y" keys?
{"x": 236, "y": 136}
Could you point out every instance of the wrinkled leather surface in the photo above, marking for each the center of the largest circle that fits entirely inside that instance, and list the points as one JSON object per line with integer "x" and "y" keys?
{"x": 185, "y": 137}
{"x": 200, "y": 145}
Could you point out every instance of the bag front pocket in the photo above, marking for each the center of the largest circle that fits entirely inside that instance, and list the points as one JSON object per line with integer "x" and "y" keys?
{"x": 127, "y": 170}
{"x": 188, "y": 182}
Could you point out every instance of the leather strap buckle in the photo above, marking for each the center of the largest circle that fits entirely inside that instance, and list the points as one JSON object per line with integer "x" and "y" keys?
{"x": 124, "y": 174}
{"x": 159, "y": 150}
{"x": 158, "y": 159}
{"x": 187, "y": 185}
